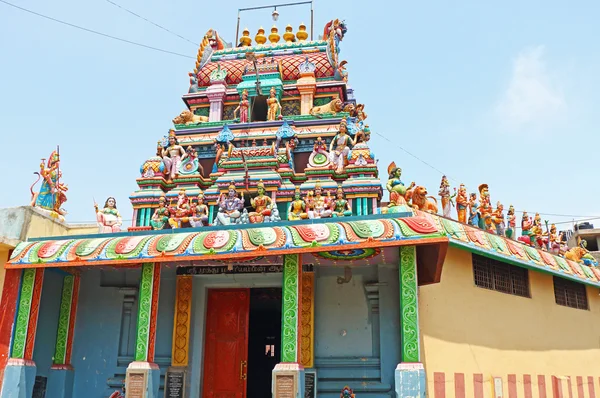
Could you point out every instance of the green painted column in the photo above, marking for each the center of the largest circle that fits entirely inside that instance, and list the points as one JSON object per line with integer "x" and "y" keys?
{"x": 291, "y": 314}
{"x": 66, "y": 320}
{"x": 147, "y": 312}
{"x": 409, "y": 306}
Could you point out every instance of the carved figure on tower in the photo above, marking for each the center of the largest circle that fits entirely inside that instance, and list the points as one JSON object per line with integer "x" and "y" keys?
{"x": 181, "y": 212}
{"x": 556, "y": 245}
{"x": 485, "y": 209}
{"x": 333, "y": 107}
{"x": 274, "y": 105}
{"x": 361, "y": 115}
{"x": 230, "y": 207}
{"x": 199, "y": 212}
{"x": 445, "y": 196}
{"x": 188, "y": 117}
{"x": 160, "y": 218}
{"x": 341, "y": 73}
{"x": 261, "y": 204}
{"x": 242, "y": 107}
{"x": 109, "y": 219}
{"x": 51, "y": 195}
{"x": 341, "y": 205}
{"x": 498, "y": 219}
{"x": 297, "y": 209}
{"x": 526, "y": 233}
{"x": 462, "y": 202}
{"x": 340, "y": 147}
{"x": 319, "y": 156}
{"x": 473, "y": 210}
{"x": 396, "y": 187}
{"x": 172, "y": 156}
{"x": 322, "y": 204}
{"x": 512, "y": 224}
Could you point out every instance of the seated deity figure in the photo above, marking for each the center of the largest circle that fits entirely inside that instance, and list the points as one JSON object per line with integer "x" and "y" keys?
{"x": 396, "y": 187}
{"x": 180, "y": 214}
{"x": 109, "y": 219}
{"x": 199, "y": 216}
{"x": 297, "y": 209}
{"x": 340, "y": 147}
{"x": 161, "y": 215}
{"x": 230, "y": 207}
{"x": 309, "y": 201}
{"x": 261, "y": 204}
{"x": 319, "y": 156}
{"x": 322, "y": 204}
{"x": 172, "y": 156}
{"x": 341, "y": 205}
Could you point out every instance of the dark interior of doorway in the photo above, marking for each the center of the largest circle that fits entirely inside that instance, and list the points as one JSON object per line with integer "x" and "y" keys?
{"x": 264, "y": 340}
{"x": 259, "y": 108}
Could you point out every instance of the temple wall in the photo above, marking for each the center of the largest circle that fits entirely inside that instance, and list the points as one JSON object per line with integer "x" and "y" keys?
{"x": 470, "y": 334}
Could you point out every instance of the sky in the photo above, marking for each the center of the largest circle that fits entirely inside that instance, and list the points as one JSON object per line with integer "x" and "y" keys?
{"x": 501, "y": 93}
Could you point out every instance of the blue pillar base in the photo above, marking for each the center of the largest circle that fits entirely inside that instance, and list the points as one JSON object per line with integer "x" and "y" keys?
{"x": 19, "y": 378}
{"x": 288, "y": 374}
{"x": 410, "y": 380}
{"x": 145, "y": 376}
{"x": 60, "y": 381}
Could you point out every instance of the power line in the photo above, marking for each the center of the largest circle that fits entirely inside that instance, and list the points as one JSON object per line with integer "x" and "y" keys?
{"x": 153, "y": 23}
{"x": 94, "y": 31}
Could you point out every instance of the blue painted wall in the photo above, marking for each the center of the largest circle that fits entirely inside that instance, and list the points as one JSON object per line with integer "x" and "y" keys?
{"x": 389, "y": 322}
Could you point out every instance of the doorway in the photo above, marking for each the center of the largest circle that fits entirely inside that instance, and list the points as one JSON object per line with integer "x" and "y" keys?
{"x": 259, "y": 108}
{"x": 243, "y": 338}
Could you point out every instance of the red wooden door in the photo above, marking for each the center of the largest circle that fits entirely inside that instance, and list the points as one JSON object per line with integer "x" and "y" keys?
{"x": 226, "y": 343}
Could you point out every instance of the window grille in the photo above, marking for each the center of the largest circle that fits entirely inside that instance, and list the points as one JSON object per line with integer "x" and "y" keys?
{"x": 570, "y": 294}
{"x": 501, "y": 277}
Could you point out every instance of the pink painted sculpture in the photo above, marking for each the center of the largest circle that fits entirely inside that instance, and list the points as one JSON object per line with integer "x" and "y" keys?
{"x": 109, "y": 219}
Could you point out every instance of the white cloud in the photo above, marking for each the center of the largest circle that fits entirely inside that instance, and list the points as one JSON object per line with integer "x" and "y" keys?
{"x": 533, "y": 98}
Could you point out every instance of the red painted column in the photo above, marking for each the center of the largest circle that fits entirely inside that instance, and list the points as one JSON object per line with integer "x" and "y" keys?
{"x": 8, "y": 309}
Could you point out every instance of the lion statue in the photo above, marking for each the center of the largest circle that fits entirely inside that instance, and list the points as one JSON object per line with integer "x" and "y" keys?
{"x": 188, "y": 117}
{"x": 420, "y": 201}
{"x": 334, "y": 106}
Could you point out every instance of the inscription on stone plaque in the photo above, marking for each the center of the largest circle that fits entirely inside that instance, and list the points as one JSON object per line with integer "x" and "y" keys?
{"x": 284, "y": 386}
{"x": 136, "y": 385}
{"x": 309, "y": 385}
{"x": 174, "y": 384}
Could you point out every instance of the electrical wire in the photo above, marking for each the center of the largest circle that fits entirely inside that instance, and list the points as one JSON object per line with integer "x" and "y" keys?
{"x": 153, "y": 23}
{"x": 95, "y": 31}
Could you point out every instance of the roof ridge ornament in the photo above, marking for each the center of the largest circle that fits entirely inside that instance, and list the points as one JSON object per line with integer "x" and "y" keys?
{"x": 218, "y": 75}
{"x": 307, "y": 66}
{"x": 225, "y": 135}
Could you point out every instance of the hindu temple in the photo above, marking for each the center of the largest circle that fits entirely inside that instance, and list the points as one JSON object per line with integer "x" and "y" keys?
{"x": 269, "y": 256}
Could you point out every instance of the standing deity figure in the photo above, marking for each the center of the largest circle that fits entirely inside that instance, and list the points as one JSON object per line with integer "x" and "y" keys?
{"x": 322, "y": 205}
{"x": 462, "y": 202}
{"x": 273, "y": 104}
{"x": 556, "y": 241}
{"x": 51, "y": 195}
{"x": 340, "y": 147}
{"x": 526, "y": 233}
{"x": 445, "y": 196}
{"x": 361, "y": 115}
{"x": 243, "y": 107}
{"x": 485, "y": 208}
{"x": 473, "y": 210}
{"x": 230, "y": 207}
{"x": 180, "y": 214}
{"x": 297, "y": 209}
{"x": 161, "y": 215}
{"x": 109, "y": 219}
{"x": 319, "y": 156}
{"x": 541, "y": 237}
{"x": 172, "y": 156}
{"x": 261, "y": 204}
{"x": 512, "y": 224}
{"x": 199, "y": 213}
{"x": 396, "y": 187}
{"x": 341, "y": 205}
{"x": 498, "y": 219}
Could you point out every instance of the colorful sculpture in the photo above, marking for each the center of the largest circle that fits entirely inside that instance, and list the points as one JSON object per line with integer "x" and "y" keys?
{"x": 180, "y": 213}
{"x": 193, "y": 83}
{"x": 473, "y": 210}
{"x": 526, "y": 233}
{"x": 341, "y": 73}
{"x": 297, "y": 209}
{"x": 511, "y": 218}
{"x": 188, "y": 117}
{"x": 341, "y": 206}
{"x": 190, "y": 163}
{"x": 319, "y": 156}
{"x": 485, "y": 208}
{"x": 320, "y": 206}
{"x": 160, "y": 218}
{"x": 51, "y": 195}
{"x": 361, "y": 115}
{"x": 340, "y": 147}
{"x": 540, "y": 237}
{"x": 274, "y": 107}
{"x": 462, "y": 202}
{"x": 556, "y": 246}
{"x": 199, "y": 216}
{"x": 445, "y": 196}
{"x": 420, "y": 200}
{"x": 396, "y": 187}
{"x": 497, "y": 218}
{"x": 347, "y": 392}
{"x": 109, "y": 219}
{"x": 243, "y": 108}
{"x": 261, "y": 204}
{"x": 333, "y": 107}
{"x": 172, "y": 155}
{"x": 230, "y": 207}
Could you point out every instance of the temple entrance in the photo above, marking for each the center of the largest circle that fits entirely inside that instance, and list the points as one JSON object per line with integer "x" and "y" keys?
{"x": 243, "y": 338}
{"x": 259, "y": 108}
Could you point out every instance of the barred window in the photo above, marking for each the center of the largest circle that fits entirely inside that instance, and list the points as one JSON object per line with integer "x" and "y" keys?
{"x": 570, "y": 294}
{"x": 501, "y": 277}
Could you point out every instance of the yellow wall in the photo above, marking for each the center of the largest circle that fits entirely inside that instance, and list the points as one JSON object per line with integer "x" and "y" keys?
{"x": 41, "y": 226}
{"x": 467, "y": 329}
{"x": 3, "y": 259}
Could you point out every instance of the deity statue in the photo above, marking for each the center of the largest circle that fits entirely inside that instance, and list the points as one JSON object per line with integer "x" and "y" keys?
{"x": 243, "y": 107}
{"x": 193, "y": 83}
{"x": 172, "y": 156}
{"x": 526, "y": 233}
{"x": 341, "y": 142}
{"x": 396, "y": 187}
{"x": 555, "y": 238}
{"x": 322, "y": 204}
{"x": 341, "y": 205}
{"x": 230, "y": 207}
{"x": 309, "y": 201}
{"x": 511, "y": 218}
{"x": 361, "y": 115}
{"x": 180, "y": 213}
{"x": 51, "y": 195}
{"x": 485, "y": 208}
{"x": 109, "y": 219}
{"x": 190, "y": 163}
{"x": 273, "y": 104}
{"x": 497, "y": 218}
{"x": 540, "y": 237}
{"x": 297, "y": 209}
{"x": 473, "y": 210}
{"x": 199, "y": 216}
{"x": 161, "y": 215}
{"x": 261, "y": 204}
{"x": 462, "y": 201}
{"x": 342, "y": 73}
{"x": 319, "y": 156}
{"x": 445, "y": 196}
